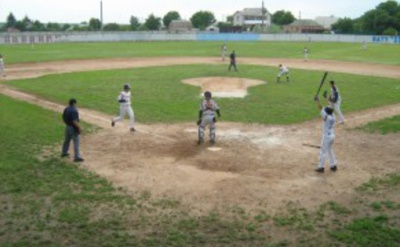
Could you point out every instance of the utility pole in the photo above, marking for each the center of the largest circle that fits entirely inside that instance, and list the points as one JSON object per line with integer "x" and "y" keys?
{"x": 101, "y": 15}
{"x": 263, "y": 12}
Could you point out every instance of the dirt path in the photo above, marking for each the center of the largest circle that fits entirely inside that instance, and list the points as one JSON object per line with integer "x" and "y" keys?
{"x": 256, "y": 167}
{"x": 31, "y": 70}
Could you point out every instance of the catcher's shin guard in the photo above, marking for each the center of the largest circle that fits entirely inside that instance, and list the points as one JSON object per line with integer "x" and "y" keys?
{"x": 212, "y": 134}
{"x": 201, "y": 134}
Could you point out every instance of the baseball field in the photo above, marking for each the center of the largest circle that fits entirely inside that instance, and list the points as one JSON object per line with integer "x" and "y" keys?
{"x": 157, "y": 187}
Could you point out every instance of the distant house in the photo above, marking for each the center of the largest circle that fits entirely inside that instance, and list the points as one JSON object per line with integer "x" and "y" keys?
{"x": 180, "y": 26}
{"x": 212, "y": 28}
{"x": 303, "y": 26}
{"x": 248, "y": 18}
{"x": 326, "y": 21}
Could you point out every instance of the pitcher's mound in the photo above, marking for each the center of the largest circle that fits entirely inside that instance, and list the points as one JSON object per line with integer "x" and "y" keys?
{"x": 228, "y": 87}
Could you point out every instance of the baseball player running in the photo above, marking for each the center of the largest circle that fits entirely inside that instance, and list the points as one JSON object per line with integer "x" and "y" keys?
{"x": 335, "y": 101}
{"x": 283, "y": 71}
{"x": 208, "y": 108}
{"x": 124, "y": 100}
{"x": 327, "y": 138}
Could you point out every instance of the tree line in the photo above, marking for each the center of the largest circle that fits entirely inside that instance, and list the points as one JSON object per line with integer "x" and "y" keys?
{"x": 384, "y": 19}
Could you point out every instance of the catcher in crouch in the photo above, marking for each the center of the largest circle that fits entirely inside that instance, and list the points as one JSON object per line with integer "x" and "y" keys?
{"x": 208, "y": 108}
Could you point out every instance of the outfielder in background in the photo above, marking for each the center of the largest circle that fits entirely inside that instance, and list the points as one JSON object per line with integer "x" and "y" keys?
{"x": 306, "y": 51}
{"x": 124, "y": 100}
{"x": 2, "y": 72}
{"x": 335, "y": 101}
{"x": 328, "y": 137}
{"x": 283, "y": 71}
{"x": 208, "y": 108}
{"x": 232, "y": 57}
{"x": 224, "y": 48}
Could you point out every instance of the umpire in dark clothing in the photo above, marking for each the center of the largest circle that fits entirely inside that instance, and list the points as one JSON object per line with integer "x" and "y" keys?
{"x": 233, "y": 61}
{"x": 72, "y": 130}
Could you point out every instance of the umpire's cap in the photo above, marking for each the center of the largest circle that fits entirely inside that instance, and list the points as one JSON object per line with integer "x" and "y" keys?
{"x": 127, "y": 86}
{"x": 72, "y": 101}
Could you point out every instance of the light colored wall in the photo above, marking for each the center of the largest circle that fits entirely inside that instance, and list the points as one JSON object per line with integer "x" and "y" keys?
{"x": 48, "y": 37}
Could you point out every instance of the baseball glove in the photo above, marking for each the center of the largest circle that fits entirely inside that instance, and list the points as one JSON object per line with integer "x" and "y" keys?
{"x": 325, "y": 94}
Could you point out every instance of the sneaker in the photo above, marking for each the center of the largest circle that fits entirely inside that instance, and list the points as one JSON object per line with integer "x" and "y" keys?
{"x": 78, "y": 160}
{"x": 334, "y": 168}
{"x": 320, "y": 169}
{"x": 64, "y": 155}
{"x": 133, "y": 129}
{"x": 112, "y": 123}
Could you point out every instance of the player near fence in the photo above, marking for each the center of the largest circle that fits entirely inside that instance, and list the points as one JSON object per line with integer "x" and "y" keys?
{"x": 208, "y": 109}
{"x": 124, "y": 100}
{"x": 328, "y": 137}
{"x": 306, "y": 51}
{"x": 283, "y": 71}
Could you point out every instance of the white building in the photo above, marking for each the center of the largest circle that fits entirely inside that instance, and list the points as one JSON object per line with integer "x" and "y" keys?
{"x": 251, "y": 17}
{"x": 326, "y": 21}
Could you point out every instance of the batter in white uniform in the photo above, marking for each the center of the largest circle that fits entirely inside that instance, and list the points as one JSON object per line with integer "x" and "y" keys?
{"x": 283, "y": 71}
{"x": 335, "y": 101}
{"x": 328, "y": 138}
{"x": 208, "y": 108}
{"x": 124, "y": 100}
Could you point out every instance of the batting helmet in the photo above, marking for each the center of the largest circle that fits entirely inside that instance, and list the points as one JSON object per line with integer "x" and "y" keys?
{"x": 207, "y": 94}
{"x": 328, "y": 110}
{"x": 127, "y": 86}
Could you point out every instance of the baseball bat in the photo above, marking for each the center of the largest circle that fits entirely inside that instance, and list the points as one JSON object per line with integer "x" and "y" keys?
{"x": 322, "y": 82}
{"x": 311, "y": 145}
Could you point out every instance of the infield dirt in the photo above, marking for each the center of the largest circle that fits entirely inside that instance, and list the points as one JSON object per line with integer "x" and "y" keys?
{"x": 256, "y": 167}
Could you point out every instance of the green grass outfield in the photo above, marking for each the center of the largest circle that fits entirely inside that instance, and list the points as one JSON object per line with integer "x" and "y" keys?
{"x": 376, "y": 53}
{"x": 47, "y": 202}
{"x": 159, "y": 96}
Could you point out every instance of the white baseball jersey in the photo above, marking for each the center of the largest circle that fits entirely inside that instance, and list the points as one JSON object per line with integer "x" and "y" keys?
{"x": 124, "y": 98}
{"x": 329, "y": 124}
{"x": 208, "y": 107}
{"x": 283, "y": 69}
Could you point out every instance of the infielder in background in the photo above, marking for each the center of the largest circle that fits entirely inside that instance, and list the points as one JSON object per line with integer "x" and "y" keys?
{"x": 2, "y": 72}
{"x": 232, "y": 56}
{"x": 335, "y": 101}
{"x": 124, "y": 100}
{"x": 283, "y": 71}
{"x": 208, "y": 108}
{"x": 224, "y": 48}
{"x": 327, "y": 138}
{"x": 306, "y": 51}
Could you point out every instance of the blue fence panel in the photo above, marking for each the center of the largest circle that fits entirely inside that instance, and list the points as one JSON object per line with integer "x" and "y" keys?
{"x": 228, "y": 37}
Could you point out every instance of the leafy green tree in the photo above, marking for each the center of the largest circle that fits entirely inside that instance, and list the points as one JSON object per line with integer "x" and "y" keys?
{"x": 384, "y": 16}
{"x": 153, "y": 23}
{"x": 66, "y": 27}
{"x": 94, "y": 24}
{"x": 390, "y": 31}
{"x": 11, "y": 20}
{"x": 282, "y": 17}
{"x": 52, "y": 26}
{"x": 229, "y": 19}
{"x": 37, "y": 26}
{"x": 111, "y": 27}
{"x": 20, "y": 25}
{"x": 202, "y": 19}
{"x": 171, "y": 16}
{"x": 134, "y": 23}
{"x": 343, "y": 25}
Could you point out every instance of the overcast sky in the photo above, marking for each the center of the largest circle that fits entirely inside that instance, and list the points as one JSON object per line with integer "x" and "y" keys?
{"x": 120, "y": 11}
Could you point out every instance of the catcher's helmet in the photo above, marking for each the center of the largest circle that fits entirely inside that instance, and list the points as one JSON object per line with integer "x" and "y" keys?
{"x": 126, "y": 86}
{"x": 207, "y": 94}
{"x": 328, "y": 110}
